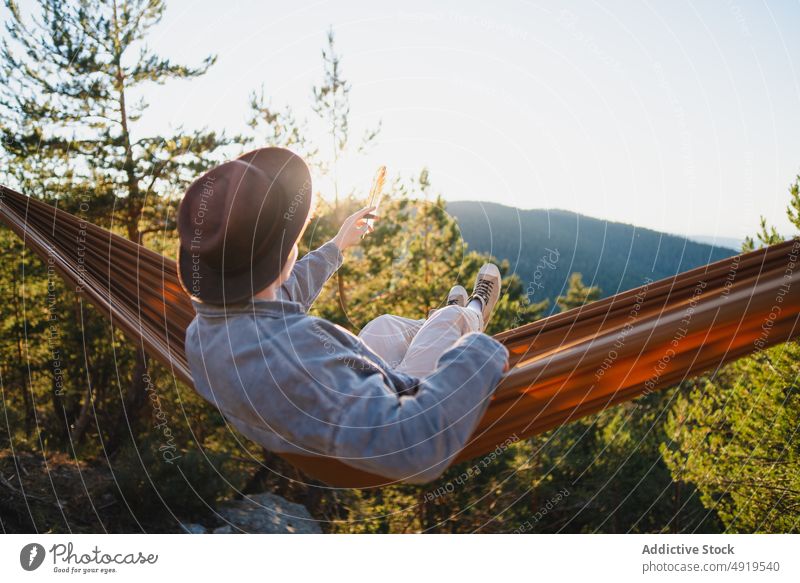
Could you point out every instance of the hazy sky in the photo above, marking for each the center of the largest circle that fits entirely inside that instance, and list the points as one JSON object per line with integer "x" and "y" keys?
{"x": 677, "y": 116}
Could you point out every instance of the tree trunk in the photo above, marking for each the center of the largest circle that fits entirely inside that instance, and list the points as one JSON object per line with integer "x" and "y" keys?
{"x": 62, "y": 423}
{"x": 83, "y": 417}
{"x": 134, "y": 206}
{"x": 21, "y": 368}
{"x": 134, "y": 396}
{"x": 133, "y": 401}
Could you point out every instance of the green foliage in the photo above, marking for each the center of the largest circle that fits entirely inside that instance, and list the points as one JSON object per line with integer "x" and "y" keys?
{"x": 736, "y": 439}
{"x": 577, "y": 294}
{"x": 191, "y": 484}
{"x": 69, "y": 136}
{"x": 735, "y": 436}
{"x": 618, "y": 482}
{"x": 67, "y": 114}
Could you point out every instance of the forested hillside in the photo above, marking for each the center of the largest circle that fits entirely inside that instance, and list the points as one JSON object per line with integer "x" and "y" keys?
{"x": 544, "y": 247}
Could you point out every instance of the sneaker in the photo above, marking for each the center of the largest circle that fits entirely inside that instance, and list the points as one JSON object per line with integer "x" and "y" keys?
{"x": 487, "y": 290}
{"x": 457, "y": 296}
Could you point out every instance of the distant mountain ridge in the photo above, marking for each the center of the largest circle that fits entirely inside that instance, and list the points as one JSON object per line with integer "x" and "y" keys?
{"x": 721, "y": 242}
{"x": 545, "y": 246}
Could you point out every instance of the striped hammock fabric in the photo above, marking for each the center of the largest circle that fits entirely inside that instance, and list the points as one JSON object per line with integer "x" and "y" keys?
{"x": 564, "y": 367}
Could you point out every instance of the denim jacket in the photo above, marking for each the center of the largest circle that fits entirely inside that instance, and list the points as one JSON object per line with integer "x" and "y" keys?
{"x": 299, "y": 384}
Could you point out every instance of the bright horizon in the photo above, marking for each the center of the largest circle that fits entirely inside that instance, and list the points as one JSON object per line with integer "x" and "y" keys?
{"x": 675, "y": 117}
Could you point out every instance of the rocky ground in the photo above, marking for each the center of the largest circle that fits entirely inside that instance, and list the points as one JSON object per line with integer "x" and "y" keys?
{"x": 61, "y": 495}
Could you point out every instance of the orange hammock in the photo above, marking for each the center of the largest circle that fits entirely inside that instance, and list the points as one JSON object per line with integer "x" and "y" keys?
{"x": 564, "y": 367}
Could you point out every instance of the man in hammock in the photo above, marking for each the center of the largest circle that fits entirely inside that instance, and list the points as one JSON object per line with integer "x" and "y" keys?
{"x": 400, "y": 400}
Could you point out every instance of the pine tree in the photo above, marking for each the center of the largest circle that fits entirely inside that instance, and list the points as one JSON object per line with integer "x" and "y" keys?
{"x": 577, "y": 294}
{"x": 68, "y": 115}
{"x": 331, "y": 105}
{"x": 68, "y": 129}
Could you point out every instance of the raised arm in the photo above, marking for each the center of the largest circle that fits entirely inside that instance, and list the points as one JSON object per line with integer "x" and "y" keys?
{"x": 312, "y": 271}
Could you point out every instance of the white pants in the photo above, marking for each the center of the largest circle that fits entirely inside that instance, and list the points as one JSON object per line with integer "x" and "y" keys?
{"x": 414, "y": 347}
